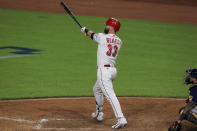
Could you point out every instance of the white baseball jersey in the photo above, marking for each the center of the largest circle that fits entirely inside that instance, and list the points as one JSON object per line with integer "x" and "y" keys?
{"x": 108, "y": 48}
{"x": 107, "y": 52}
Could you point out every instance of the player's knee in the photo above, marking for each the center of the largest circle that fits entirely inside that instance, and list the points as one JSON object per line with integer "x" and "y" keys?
{"x": 192, "y": 116}
{"x": 94, "y": 89}
{"x": 97, "y": 90}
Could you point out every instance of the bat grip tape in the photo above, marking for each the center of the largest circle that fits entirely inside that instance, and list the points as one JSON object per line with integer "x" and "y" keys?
{"x": 86, "y": 31}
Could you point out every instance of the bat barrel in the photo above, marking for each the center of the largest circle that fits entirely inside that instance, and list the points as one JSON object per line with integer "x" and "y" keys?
{"x": 70, "y": 13}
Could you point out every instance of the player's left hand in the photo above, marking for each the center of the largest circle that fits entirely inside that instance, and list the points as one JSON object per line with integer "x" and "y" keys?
{"x": 175, "y": 126}
{"x": 83, "y": 30}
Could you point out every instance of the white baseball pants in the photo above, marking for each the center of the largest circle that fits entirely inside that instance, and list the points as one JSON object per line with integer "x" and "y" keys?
{"x": 103, "y": 85}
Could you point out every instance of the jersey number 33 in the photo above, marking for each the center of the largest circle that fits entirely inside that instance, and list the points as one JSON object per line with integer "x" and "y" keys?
{"x": 110, "y": 48}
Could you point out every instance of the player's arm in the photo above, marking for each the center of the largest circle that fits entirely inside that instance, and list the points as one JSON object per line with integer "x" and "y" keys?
{"x": 176, "y": 126}
{"x": 183, "y": 111}
{"x": 87, "y": 32}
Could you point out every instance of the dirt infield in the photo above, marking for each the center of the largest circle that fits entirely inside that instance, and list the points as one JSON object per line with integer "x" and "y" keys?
{"x": 143, "y": 114}
{"x": 177, "y": 11}
{"x": 74, "y": 114}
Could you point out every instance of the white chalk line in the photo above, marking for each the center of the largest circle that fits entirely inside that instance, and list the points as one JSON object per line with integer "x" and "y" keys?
{"x": 73, "y": 129}
{"x": 17, "y": 120}
{"x": 60, "y": 129}
{"x": 76, "y": 98}
{"x": 16, "y": 56}
{"x": 38, "y": 123}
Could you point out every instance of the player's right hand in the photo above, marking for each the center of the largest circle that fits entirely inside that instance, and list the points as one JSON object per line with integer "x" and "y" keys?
{"x": 83, "y": 30}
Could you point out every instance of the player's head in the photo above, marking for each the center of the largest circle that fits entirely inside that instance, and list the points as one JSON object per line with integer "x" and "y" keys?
{"x": 191, "y": 76}
{"x": 112, "y": 25}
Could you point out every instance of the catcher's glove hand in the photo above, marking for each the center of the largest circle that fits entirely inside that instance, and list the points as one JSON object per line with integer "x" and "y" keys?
{"x": 175, "y": 126}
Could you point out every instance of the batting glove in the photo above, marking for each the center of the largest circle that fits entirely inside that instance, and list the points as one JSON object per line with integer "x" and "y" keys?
{"x": 84, "y": 30}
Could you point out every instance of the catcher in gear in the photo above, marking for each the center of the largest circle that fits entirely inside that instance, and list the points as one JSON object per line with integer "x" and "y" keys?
{"x": 188, "y": 112}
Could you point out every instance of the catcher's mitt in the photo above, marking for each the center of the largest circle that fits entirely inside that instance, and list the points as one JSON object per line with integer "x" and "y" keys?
{"x": 175, "y": 126}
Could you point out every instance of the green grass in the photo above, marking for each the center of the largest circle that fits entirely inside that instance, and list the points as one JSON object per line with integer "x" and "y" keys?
{"x": 151, "y": 62}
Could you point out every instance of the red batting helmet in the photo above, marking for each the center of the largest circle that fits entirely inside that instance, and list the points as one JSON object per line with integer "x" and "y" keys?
{"x": 114, "y": 23}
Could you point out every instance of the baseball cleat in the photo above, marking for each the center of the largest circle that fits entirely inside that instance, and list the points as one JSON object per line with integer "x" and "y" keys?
{"x": 120, "y": 124}
{"x": 98, "y": 116}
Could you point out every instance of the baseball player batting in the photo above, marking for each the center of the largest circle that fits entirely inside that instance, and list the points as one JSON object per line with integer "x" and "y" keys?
{"x": 108, "y": 48}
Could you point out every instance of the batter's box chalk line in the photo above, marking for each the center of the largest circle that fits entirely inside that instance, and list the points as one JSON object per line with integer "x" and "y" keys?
{"x": 38, "y": 123}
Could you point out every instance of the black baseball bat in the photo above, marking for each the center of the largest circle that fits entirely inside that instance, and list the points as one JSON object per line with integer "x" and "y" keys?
{"x": 70, "y": 13}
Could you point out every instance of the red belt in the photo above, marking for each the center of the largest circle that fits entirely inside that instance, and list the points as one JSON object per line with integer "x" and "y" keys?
{"x": 107, "y": 66}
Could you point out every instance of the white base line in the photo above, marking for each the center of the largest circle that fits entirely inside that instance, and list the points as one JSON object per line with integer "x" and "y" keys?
{"x": 43, "y": 120}
{"x": 39, "y": 123}
{"x": 75, "y": 129}
{"x": 18, "y": 120}
{"x": 76, "y": 98}
{"x": 60, "y": 129}
{"x": 16, "y": 56}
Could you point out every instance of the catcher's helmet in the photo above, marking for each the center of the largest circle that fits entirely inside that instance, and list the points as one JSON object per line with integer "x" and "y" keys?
{"x": 190, "y": 73}
{"x": 114, "y": 23}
